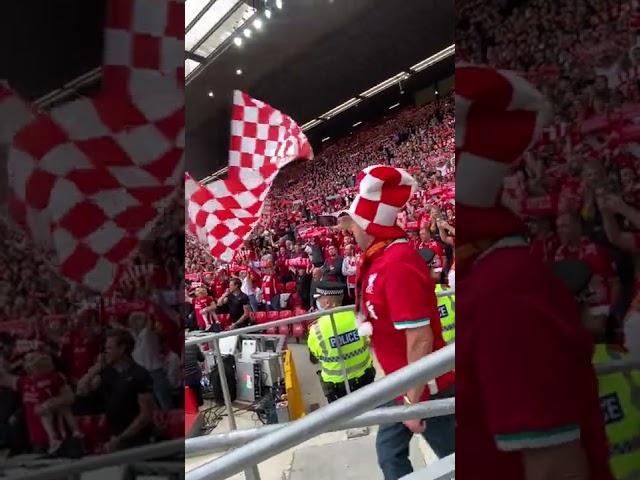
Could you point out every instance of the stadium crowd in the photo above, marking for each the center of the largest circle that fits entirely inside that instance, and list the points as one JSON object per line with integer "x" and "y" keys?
{"x": 65, "y": 352}
{"x": 297, "y": 243}
{"x": 578, "y": 187}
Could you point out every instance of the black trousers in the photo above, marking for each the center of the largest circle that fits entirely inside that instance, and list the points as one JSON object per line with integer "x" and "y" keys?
{"x": 334, "y": 391}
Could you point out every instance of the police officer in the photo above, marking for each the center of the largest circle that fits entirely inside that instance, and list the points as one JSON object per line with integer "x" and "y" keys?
{"x": 446, "y": 304}
{"x": 619, "y": 392}
{"x": 323, "y": 345}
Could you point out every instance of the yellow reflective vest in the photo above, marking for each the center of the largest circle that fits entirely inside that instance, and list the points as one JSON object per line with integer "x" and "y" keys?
{"x": 447, "y": 310}
{"x": 323, "y": 344}
{"x": 620, "y": 402}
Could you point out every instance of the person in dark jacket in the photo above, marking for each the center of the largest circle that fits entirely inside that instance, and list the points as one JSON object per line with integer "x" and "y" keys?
{"x": 316, "y": 277}
{"x": 193, "y": 357}
{"x": 332, "y": 268}
{"x": 303, "y": 287}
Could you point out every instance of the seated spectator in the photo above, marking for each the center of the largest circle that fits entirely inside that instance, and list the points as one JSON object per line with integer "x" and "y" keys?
{"x": 127, "y": 389}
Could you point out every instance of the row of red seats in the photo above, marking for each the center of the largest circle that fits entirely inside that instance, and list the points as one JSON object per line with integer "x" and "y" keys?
{"x": 96, "y": 432}
{"x": 296, "y": 330}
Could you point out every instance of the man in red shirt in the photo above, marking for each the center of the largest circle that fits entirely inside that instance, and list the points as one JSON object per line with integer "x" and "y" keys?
{"x": 605, "y": 285}
{"x": 527, "y": 405}
{"x": 426, "y": 241}
{"x": 397, "y": 307}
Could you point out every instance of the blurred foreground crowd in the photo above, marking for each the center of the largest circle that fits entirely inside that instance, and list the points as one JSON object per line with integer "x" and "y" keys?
{"x": 578, "y": 187}
{"x": 83, "y": 373}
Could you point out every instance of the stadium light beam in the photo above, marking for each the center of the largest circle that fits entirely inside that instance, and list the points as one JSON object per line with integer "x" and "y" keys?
{"x": 247, "y": 32}
{"x": 267, "y": 13}
{"x": 257, "y": 24}
{"x": 311, "y": 124}
{"x": 433, "y": 59}
{"x": 279, "y": 4}
{"x": 237, "y": 41}
{"x": 341, "y": 108}
{"x": 385, "y": 84}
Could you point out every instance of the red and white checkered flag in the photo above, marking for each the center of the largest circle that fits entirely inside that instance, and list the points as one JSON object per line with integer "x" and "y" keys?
{"x": 90, "y": 178}
{"x": 223, "y": 214}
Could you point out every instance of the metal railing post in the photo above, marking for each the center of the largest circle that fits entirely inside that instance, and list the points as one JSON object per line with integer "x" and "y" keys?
{"x": 343, "y": 366}
{"x": 251, "y": 473}
{"x": 223, "y": 383}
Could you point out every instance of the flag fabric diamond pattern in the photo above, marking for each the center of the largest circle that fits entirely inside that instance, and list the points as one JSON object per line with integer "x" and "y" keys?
{"x": 90, "y": 178}
{"x": 223, "y": 214}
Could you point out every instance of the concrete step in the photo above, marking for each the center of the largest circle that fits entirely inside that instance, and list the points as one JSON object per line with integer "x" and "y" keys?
{"x": 347, "y": 460}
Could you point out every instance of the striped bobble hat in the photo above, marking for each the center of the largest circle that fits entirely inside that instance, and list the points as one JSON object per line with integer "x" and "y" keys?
{"x": 382, "y": 192}
{"x": 499, "y": 116}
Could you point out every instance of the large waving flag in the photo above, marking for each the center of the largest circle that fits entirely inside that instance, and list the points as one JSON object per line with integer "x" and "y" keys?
{"x": 90, "y": 178}
{"x": 223, "y": 214}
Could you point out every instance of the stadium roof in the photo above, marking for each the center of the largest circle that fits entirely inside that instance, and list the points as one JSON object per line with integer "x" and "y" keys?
{"x": 311, "y": 56}
{"x": 46, "y": 45}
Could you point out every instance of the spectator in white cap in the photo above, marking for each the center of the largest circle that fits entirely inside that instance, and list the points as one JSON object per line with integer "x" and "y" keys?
{"x": 396, "y": 305}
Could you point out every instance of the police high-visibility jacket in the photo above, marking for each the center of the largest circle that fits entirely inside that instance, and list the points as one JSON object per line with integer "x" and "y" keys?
{"x": 323, "y": 345}
{"x": 620, "y": 402}
{"x": 447, "y": 310}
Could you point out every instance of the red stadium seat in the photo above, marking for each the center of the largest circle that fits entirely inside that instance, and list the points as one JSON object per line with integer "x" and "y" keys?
{"x": 174, "y": 423}
{"x": 272, "y": 330}
{"x": 283, "y": 330}
{"x": 273, "y": 316}
{"x": 299, "y": 330}
{"x": 95, "y": 431}
{"x": 225, "y": 319}
{"x": 296, "y": 301}
{"x": 260, "y": 317}
{"x": 298, "y": 311}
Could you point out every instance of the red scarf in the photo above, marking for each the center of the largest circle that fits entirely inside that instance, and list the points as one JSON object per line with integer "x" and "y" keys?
{"x": 482, "y": 228}
{"x": 376, "y": 249}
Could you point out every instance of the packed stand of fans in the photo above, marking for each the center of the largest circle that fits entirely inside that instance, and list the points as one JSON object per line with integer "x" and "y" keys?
{"x": 297, "y": 243}
{"x": 81, "y": 373}
{"x": 578, "y": 187}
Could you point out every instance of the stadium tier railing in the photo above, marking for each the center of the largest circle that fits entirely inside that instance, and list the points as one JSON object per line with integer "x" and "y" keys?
{"x": 249, "y": 455}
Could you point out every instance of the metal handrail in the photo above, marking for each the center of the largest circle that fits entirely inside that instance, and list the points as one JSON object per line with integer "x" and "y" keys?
{"x": 129, "y": 456}
{"x": 618, "y": 366}
{"x": 380, "y": 416}
{"x": 263, "y": 326}
{"x": 206, "y": 338}
{"x": 364, "y": 399}
{"x": 443, "y": 469}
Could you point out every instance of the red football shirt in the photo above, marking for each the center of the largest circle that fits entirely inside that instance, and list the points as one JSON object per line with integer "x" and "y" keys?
{"x": 34, "y": 390}
{"x": 269, "y": 289}
{"x": 399, "y": 294}
{"x": 439, "y": 258}
{"x": 80, "y": 350}
{"x": 601, "y": 266}
{"x": 523, "y": 367}
{"x": 198, "y": 304}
